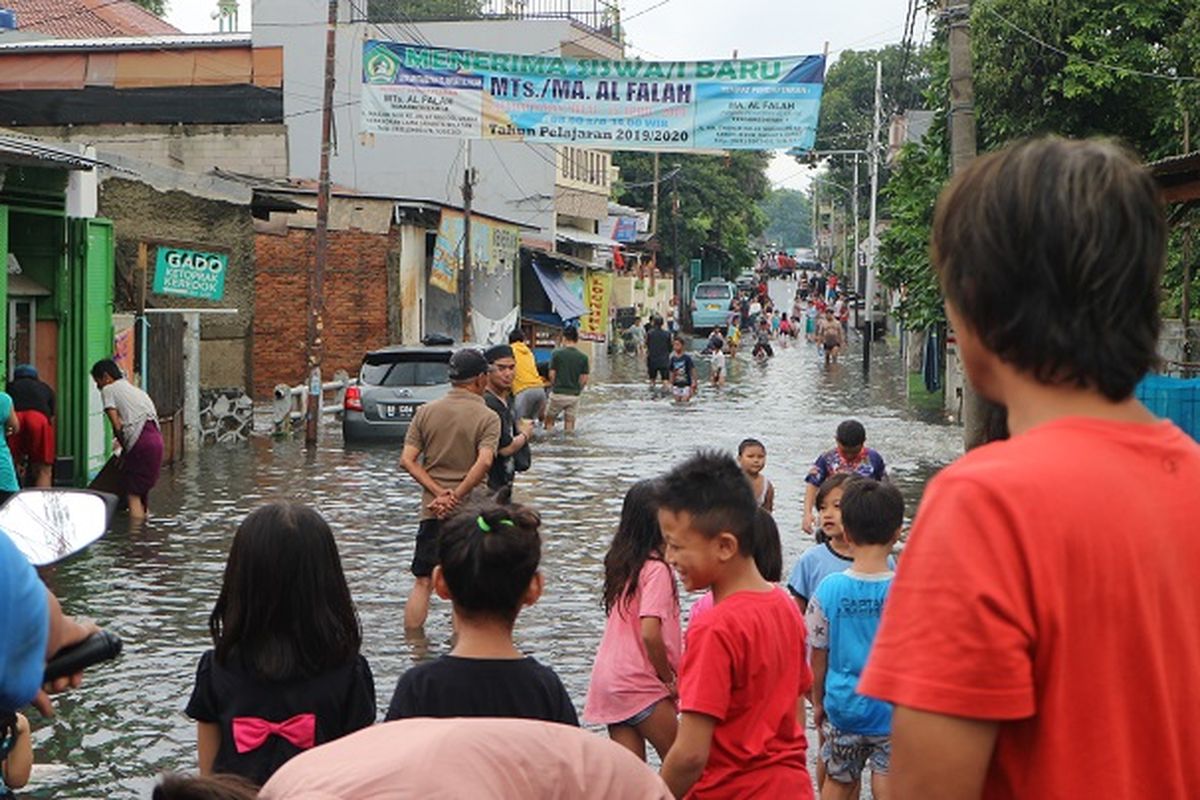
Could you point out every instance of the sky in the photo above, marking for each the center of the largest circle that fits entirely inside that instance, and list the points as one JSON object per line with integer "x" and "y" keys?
{"x": 691, "y": 30}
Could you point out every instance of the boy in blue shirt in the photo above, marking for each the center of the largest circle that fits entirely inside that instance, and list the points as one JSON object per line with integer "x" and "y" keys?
{"x": 843, "y": 617}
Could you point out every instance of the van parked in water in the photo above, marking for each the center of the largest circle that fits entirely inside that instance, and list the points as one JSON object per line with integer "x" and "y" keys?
{"x": 711, "y": 304}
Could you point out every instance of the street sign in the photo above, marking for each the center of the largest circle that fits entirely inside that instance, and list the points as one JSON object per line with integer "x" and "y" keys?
{"x": 190, "y": 273}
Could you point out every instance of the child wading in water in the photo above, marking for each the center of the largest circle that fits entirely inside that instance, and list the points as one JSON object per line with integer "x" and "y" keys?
{"x": 16, "y": 752}
{"x": 488, "y": 569}
{"x": 752, "y": 457}
{"x": 743, "y": 675}
{"x": 632, "y": 689}
{"x": 285, "y": 673}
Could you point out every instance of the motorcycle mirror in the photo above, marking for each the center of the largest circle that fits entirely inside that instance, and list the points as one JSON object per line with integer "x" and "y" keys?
{"x": 51, "y": 525}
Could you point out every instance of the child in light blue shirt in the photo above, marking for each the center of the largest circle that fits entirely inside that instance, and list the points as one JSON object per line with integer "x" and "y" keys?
{"x": 843, "y": 617}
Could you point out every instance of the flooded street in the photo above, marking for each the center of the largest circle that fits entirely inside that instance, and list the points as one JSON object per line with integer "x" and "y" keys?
{"x": 155, "y": 585}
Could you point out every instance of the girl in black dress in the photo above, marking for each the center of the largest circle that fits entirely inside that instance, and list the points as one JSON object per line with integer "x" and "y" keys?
{"x": 285, "y": 673}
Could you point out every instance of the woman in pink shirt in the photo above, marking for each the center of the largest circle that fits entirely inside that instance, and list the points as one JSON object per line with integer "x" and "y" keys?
{"x": 632, "y": 689}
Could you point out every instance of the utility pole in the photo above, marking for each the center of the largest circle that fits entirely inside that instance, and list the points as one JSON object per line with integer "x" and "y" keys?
{"x": 654, "y": 200}
{"x": 857, "y": 277}
{"x": 464, "y": 282}
{"x": 982, "y": 421}
{"x": 316, "y": 278}
{"x": 678, "y": 282}
{"x": 869, "y": 330}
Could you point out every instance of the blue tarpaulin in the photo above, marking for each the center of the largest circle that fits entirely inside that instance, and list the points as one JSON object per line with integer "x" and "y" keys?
{"x": 1176, "y": 399}
{"x": 566, "y": 303}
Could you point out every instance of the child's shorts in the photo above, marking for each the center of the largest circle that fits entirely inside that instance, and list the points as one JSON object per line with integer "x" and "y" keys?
{"x": 641, "y": 716}
{"x": 847, "y": 754}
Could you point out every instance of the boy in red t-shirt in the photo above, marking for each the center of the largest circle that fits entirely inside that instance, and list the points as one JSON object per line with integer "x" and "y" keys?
{"x": 743, "y": 674}
{"x": 1041, "y": 638}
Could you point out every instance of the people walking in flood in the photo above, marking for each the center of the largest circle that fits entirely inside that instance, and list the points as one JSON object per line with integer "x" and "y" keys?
{"x": 1031, "y": 644}
{"x": 842, "y": 619}
{"x": 684, "y": 381}
{"x": 285, "y": 673}
{"x": 633, "y": 687}
{"x": 658, "y": 354}
{"x": 528, "y": 388}
{"x": 850, "y": 454}
{"x": 568, "y": 378}
{"x": 448, "y": 450}
{"x": 512, "y": 452}
{"x": 33, "y": 447}
{"x": 134, "y": 421}
{"x": 752, "y": 458}
{"x": 830, "y": 335}
{"x": 487, "y": 568}
{"x": 741, "y": 733}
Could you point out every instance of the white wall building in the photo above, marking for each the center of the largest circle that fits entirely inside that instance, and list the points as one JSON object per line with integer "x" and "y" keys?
{"x": 560, "y": 192}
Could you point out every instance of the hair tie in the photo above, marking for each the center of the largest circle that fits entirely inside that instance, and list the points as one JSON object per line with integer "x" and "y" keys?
{"x": 486, "y": 528}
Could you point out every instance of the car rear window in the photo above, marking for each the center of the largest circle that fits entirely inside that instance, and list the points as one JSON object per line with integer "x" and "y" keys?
{"x": 713, "y": 293}
{"x": 406, "y": 369}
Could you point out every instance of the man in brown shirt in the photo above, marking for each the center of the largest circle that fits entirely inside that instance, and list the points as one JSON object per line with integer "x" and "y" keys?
{"x": 448, "y": 450}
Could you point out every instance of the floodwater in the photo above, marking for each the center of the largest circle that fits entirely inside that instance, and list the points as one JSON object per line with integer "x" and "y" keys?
{"x": 155, "y": 584}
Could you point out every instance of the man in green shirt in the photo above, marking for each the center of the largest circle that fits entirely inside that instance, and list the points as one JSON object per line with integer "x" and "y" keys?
{"x": 568, "y": 376}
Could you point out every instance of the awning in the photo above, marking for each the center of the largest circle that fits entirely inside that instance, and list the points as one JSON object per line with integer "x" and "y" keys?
{"x": 562, "y": 299}
{"x": 578, "y": 236}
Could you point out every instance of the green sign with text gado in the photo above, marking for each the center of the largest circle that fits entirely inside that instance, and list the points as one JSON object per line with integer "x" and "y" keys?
{"x": 190, "y": 273}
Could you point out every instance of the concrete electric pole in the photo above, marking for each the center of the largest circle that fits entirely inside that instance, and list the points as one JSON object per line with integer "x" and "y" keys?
{"x": 982, "y": 421}
{"x": 316, "y": 278}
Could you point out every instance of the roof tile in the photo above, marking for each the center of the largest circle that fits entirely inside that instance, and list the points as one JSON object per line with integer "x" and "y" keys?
{"x": 87, "y": 18}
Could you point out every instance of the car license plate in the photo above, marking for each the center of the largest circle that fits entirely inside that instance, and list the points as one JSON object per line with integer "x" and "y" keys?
{"x": 393, "y": 411}
{"x": 713, "y": 307}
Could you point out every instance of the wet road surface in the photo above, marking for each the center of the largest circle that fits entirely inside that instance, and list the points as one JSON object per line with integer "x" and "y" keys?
{"x": 155, "y": 584}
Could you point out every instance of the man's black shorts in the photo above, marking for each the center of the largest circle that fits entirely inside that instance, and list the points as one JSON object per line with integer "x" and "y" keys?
{"x": 425, "y": 556}
{"x": 660, "y": 373}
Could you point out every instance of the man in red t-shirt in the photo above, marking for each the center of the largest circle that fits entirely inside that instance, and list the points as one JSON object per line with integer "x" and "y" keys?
{"x": 744, "y": 674}
{"x": 1041, "y": 639}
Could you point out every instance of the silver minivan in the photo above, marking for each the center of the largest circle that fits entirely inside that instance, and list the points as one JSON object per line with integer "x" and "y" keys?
{"x": 392, "y": 383}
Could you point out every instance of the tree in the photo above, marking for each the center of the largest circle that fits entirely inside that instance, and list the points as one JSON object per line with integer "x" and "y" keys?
{"x": 789, "y": 218}
{"x": 156, "y": 7}
{"x": 718, "y": 212}
{"x": 848, "y": 104}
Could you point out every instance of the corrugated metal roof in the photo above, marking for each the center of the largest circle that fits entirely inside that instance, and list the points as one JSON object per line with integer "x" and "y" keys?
{"x": 1187, "y": 162}
{"x": 77, "y": 18}
{"x": 23, "y": 150}
{"x": 181, "y": 41}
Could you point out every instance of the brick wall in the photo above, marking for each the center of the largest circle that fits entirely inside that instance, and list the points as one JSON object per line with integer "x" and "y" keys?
{"x": 356, "y": 300}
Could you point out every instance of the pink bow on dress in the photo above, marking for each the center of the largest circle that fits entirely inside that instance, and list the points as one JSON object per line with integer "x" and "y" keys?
{"x": 249, "y": 733}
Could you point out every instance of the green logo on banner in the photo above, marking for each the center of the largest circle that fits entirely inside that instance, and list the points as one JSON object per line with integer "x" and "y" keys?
{"x": 190, "y": 273}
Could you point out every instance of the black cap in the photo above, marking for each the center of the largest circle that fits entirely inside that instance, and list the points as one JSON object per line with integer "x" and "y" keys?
{"x": 466, "y": 364}
{"x": 497, "y": 352}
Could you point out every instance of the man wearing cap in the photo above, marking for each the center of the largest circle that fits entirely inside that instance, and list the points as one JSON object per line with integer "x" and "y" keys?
{"x": 514, "y": 435}
{"x": 449, "y": 449}
{"x": 33, "y": 401}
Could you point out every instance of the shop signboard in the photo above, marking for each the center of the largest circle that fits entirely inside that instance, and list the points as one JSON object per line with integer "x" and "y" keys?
{"x": 190, "y": 273}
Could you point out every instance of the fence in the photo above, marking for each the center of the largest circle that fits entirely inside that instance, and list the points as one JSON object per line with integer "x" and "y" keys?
{"x": 601, "y": 16}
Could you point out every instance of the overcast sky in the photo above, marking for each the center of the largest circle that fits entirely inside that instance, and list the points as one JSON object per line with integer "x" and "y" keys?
{"x": 702, "y": 29}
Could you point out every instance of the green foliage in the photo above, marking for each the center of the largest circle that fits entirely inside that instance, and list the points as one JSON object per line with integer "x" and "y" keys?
{"x": 1026, "y": 87}
{"x": 848, "y": 105}
{"x": 903, "y": 263}
{"x": 789, "y": 218}
{"x": 156, "y": 7}
{"x": 718, "y": 203}
{"x": 418, "y": 10}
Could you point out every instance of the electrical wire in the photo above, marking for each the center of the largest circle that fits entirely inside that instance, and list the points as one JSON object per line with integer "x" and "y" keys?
{"x": 1090, "y": 62}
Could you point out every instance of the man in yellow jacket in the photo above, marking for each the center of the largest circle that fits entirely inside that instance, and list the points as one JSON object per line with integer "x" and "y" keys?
{"x": 529, "y": 390}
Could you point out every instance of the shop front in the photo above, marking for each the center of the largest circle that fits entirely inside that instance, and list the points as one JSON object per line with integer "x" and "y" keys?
{"x": 57, "y": 291}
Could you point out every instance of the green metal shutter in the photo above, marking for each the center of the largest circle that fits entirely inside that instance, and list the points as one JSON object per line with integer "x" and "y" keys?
{"x": 92, "y": 304}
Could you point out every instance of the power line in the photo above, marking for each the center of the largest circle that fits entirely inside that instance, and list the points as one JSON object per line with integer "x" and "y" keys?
{"x": 1090, "y": 62}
